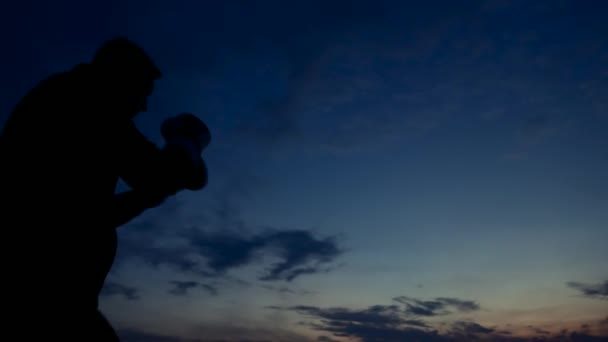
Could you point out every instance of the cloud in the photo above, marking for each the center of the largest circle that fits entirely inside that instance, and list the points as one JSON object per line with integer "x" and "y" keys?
{"x": 438, "y": 306}
{"x": 595, "y": 291}
{"x": 297, "y": 249}
{"x": 325, "y": 339}
{"x": 375, "y": 323}
{"x": 379, "y": 333}
{"x": 578, "y": 337}
{"x": 213, "y": 254}
{"x": 389, "y": 315}
{"x": 376, "y": 315}
{"x": 181, "y": 288}
{"x": 469, "y": 329}
{"x": 168, "y": 238}
{"x": 539, "y": 331}
{"x": 287, "y": 290}
{"x": 396, "y": 323}
{"x": 118, "y": 289}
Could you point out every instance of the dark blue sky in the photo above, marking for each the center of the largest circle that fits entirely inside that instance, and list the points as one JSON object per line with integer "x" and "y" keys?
{"x": 380, "y": 170}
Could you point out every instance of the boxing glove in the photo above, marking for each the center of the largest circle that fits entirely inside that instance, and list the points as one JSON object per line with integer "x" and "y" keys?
{"x": 186, "y": 137}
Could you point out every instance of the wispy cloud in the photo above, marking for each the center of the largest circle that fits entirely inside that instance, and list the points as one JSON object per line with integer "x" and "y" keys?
{"x": 469, "y": 330}
{"x": 325, "y": 339}
{"x": 414, "y": 319}
{"x": 436, "y": 307}
{"x": 117, "y": 289}
{"x": 182, "y": 288}
{"x": 287, "y": 290}
{"x": 594, "y": 291}
{"x": 213, "y": 254}
{"x": 387, "y": 322}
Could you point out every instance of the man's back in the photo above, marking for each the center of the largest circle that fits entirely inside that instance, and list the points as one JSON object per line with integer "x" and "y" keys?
{"x": 59, "y": 175}
{"x": 56, "y": 128}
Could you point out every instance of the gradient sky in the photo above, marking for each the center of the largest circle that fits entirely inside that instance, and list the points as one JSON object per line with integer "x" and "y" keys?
{"x": 379, "y": 170}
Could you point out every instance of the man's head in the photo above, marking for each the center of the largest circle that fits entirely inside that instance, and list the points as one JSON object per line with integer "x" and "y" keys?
{"x": 129, "y": 73}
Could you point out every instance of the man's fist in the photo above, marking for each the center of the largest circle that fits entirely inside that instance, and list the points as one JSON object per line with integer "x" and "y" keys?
{"x": 186, "y": 128}
{"x": 186, "y": 136}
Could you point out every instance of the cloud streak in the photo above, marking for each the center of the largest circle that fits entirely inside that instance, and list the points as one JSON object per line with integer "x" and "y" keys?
{"x": 121, "y": 290}
{"x": 436, "y": 307}
{"x": 594, "y": 291}
{"x": 388, "y": 322}
{"x": 412, "y": 319}
{"x": 182, "y": 288}
{"x": 214, "y": 254}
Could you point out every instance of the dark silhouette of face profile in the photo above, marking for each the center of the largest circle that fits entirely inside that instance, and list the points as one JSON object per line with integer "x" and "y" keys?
{"x": 128, "y": 74}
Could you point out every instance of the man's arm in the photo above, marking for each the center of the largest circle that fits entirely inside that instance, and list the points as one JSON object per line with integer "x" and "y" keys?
{"x": 152, "y": 173}
{"x": 143, "y": 165}
{"x": 149, "y": 169}
{"x": 130, "y": 204}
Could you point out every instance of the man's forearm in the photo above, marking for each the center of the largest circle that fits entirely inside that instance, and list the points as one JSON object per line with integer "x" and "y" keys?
{"x": 130, "y": 204}
{"x": 143, "y": 165}
{"x": 146, "y": 167}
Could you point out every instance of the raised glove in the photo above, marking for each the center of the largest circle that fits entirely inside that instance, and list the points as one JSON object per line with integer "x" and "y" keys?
{"x": 186, "y": 137}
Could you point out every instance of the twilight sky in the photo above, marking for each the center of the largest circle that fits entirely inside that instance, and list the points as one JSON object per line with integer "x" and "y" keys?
{"x": 379, "y": 170}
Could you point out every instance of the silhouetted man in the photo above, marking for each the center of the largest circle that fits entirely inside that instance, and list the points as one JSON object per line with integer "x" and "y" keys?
{"x": 64, "y": 148}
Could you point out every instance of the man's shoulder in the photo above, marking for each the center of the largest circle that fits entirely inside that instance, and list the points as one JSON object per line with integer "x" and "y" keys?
{"x": 62, "y": 82}
{"x": 76, "y": 77}
{"x": 53, "y": 97}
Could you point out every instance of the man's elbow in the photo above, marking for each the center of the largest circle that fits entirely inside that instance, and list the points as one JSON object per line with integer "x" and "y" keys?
{"x": 198, "y": 179}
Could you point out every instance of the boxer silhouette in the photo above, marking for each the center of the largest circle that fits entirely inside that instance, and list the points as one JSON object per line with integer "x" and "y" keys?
{"x": 63, "y": 149}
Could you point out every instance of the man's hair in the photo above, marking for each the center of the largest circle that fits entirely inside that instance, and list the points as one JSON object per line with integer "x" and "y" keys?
{"x": 122, "y": 56}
